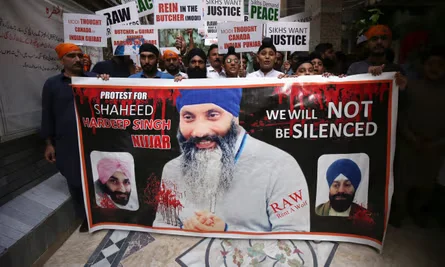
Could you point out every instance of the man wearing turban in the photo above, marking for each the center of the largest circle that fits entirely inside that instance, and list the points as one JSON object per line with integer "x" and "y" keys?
{"x": 226, "y": 179}
{"x": 267, "y": 57}
{"x": 113, "y": 188}
{"x": 343, "y": 178}
{"x": 172, "y": 63}
{"x": 197, "y": 69}
{"x": 379, "y": 39}
{"x": 149, "y": 57}
{"x": 58, "y": 125}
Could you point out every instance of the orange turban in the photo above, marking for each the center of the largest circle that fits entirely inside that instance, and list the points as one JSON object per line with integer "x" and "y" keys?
{"x": 64, "y": 48}
{"x": 168, "y": 54}
{"x": 378, "y": 30}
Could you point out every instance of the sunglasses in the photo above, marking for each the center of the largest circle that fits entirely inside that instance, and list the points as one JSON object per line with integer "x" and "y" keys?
{"x": 229, "y": 60}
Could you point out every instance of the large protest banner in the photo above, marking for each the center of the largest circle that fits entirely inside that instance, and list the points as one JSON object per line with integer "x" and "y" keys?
{"x": 289, "y": 36}
{"x": 224, "y": 10}
{"x": 179, "y": 14}
{"x": 127, "y": 39}
{"x": 244, "y": 37}
{"x": 83, "y": 29}
{"x": 302, "y": 158}
{"x": 126, "y": 14}
{"x": 268, "y": 10}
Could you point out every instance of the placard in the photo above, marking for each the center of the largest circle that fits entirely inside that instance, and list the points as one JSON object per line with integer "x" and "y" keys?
{"x": 126, "y": 14}
{"x": 224, "y": 10}
{"x": 86, "y": 30}
{"x": 268, "y": 10}
{"x": 127, "y": 39}
{"x": 145, "y": 7}
{"x": 289, "y": 36}
{"x": 245, "y": 37}
{"x": 179, "y": 14}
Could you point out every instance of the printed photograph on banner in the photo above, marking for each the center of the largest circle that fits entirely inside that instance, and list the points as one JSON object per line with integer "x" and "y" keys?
{"x": 144, "y": 7}
{"x": 224, "y": 10}
{"x": 342, "y": 185}
{"x": 245, "y": 37}
{"x": 246, "y": 157}
{"x": 182, "y": 39}
{"x": 179, "y": 14}
{"x": 264, "y": 10}
{"x": 85, "y": 30}
{"x": 289, "y": 36}
{"x": 127, "y": 39}
{"x": 114, "y": 180}
{"x": 125, "y": 14}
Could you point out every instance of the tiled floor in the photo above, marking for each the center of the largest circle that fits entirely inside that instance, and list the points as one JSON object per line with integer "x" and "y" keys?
{"x": 408, "y": 246}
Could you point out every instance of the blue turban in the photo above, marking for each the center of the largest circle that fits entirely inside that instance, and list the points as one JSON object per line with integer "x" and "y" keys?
{"x": 346, "y": 167}
{"x": 227, "y": 99}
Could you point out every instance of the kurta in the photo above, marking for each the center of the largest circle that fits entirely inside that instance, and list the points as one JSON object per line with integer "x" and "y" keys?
{"x": 268, "y": 192}
{"x": 259, "y": 74}
{"x": 59, "y": 124}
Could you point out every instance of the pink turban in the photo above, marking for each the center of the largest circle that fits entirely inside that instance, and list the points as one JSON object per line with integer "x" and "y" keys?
{"x": 106, "y": 167}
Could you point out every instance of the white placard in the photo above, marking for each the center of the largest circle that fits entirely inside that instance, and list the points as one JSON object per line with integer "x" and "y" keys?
{"x": 211, "y": 29}
{"x": 224, "y": 10}
{"x": 299, "y": 17}
{"x": 126, "y": 39}
{"x": 265, "y": 10}
{"x": 245, "y": 37}
{"x": 179, "y": 14}
{"x": 86, "y": 30}
{"x": 126, "y": 14}
{"x": 145, "y": 7}
{"x": 289, "y": 36}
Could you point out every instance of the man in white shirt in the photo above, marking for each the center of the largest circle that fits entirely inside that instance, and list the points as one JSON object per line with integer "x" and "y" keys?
{"x": 171, "y": 60}
{"x": 267, "y": 56}
{"x": 215, "y": 70}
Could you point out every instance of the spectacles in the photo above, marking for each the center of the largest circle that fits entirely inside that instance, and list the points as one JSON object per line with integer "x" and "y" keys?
{"x": 229, "y": 60}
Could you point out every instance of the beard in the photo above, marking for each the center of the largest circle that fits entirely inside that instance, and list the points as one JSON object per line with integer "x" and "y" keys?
{"x": 196, "y": 73}
{"x": 149, "y": 69}
{"x": 120, "y": 198}
{"x": 208, "y": 173}
{"x": 341, "y": 205}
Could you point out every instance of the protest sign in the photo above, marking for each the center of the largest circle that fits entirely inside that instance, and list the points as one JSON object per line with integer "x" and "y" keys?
{"x": 245, "y": 37}
{"x": 179, "y": 14}
{"x": 264, "y": 10}
{"x": 211, "y": 29}
{"x": 145, "y": 7}
{"x": 126, "y": 39}
{"x": 126, "y": 14}
{"x": 299, "y": 17}
{"x": 83, "y": 29}
{"x": 224, "y": 10}
{"x": 269, "y": 172}
{"x": 289, "y": 36}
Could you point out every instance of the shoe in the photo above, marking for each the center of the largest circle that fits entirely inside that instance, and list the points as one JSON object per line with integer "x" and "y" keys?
{"x": 84, "y": 227}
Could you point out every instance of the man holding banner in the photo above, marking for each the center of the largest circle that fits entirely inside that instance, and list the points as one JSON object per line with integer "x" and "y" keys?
{"x": 220, "y": 162}
{"x": 267, "y": 57}
{"x": 149, "y": 56}
{"x": 59, "y": 127}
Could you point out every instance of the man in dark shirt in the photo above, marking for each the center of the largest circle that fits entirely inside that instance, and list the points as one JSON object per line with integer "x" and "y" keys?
{"x": 149, "y": 56}
{"x": 118, "y": 66}
{"x": 379, "y": 40}
{"x": 59, "y": 127}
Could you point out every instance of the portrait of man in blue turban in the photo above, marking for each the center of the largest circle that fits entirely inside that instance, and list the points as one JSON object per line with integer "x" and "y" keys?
{"x": 227, "y": 180}
{"x": 343, "y": 177}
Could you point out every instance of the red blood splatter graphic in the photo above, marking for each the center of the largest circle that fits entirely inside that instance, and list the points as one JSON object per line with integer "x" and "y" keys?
{"x": 157, "y": 96}
{"x": 362, "y": 217}
{"x": 165, "y": 199}
{"x": 105, "y": 202}
{"x": 317, "y": 96}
